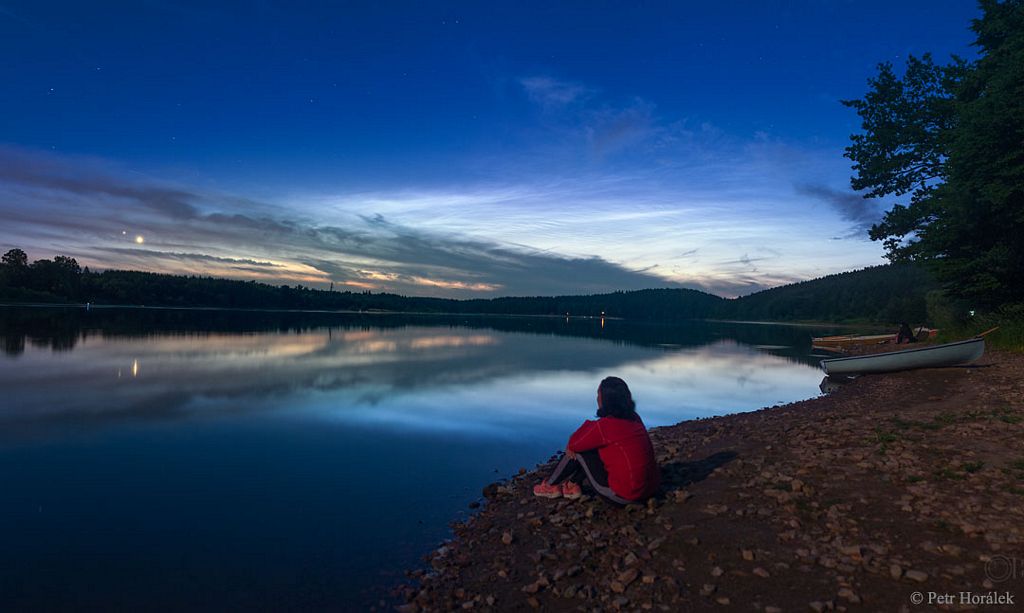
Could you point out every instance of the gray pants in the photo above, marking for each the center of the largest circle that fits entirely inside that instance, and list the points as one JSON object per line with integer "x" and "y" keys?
{"x": 587, "y": 465}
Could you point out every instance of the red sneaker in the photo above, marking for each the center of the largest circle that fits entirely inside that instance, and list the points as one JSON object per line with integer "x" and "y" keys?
{"x": 571, "y": 490}
{"x": 546, "y": 490}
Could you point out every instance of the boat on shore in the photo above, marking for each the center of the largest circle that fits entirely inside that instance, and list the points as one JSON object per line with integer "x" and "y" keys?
{"x": 838, "y": 343}
{"x": 844, "y": 342}
{"x": 949, "y": 354}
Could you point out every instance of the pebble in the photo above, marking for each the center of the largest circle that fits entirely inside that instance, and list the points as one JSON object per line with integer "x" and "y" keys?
{"x": 723, "y": 600}
{"x": 708, "y": 589}
{"x": 717, "y": 571}
{"x": 629, "y": 576}
{"x": 848, "y": 594}
{"x": 916, "y": 575}
{"x": 760, "y": 572}
{"x": 895, "y": 571}
{"x": 506, "y": 537}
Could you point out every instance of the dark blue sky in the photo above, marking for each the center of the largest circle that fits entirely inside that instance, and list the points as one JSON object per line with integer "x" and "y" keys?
{"x": 458, "y": 148}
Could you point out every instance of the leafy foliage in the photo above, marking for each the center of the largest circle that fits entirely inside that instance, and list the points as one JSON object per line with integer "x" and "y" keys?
{"x": 951, "y": 140}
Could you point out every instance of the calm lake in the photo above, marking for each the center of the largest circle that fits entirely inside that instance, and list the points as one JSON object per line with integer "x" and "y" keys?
{"x": 217, "y": 460}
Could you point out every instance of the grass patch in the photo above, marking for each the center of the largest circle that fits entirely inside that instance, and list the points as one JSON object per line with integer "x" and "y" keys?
{"x": 882, "y": 436}
{"x": 1007, "y": 416}
{"x": 901, "y": 424}
{"x": 973, "y": 467}
{"x": 944, "y": 526}
{"x": 1009, "y": 336}
{"x": 948, "y": 474}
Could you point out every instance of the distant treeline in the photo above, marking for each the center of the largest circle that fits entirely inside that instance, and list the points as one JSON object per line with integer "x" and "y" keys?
{"x": 880, "y": 294}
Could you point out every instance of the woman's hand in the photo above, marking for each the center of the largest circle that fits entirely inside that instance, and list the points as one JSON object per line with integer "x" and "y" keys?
{"x": 570, "y": 453}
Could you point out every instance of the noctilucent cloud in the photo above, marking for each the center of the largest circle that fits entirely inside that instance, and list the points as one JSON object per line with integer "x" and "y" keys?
{"x": 451, "y": 149}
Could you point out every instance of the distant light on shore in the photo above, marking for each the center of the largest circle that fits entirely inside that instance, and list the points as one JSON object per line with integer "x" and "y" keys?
{"x": 139, "y": 239}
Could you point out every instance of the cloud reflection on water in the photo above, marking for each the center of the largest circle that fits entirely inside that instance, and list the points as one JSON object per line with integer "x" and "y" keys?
{"x": 446, "y": 379}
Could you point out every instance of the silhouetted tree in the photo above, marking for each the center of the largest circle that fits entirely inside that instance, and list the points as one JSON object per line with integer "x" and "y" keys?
{"x": 950, "y": 139}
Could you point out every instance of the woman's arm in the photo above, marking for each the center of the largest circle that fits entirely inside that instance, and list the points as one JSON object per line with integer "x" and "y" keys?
{"x": 588, "y": 436}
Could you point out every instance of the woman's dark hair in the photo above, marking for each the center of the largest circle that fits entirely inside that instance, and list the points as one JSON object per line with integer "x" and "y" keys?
{"x": 616, "y": 401}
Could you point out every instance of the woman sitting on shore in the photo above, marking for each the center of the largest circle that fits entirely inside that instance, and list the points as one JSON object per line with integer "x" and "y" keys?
{"x": 614, "y": 453}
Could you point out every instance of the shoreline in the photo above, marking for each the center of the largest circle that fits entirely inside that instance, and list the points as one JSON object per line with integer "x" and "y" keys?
{"x": 101, "y": 307}
{"x": 899, "y": 483}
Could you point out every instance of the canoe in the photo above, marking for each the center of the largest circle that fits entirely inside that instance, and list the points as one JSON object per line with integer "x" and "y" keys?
{"x": 841, "y": 343}
{"x": 845, "y": 342}
{"x": 852, "y": 339}
{"x": 950, "y": 354}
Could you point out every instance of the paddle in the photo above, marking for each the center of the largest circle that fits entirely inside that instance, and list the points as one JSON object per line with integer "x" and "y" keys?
{"x": 986, "y": 332}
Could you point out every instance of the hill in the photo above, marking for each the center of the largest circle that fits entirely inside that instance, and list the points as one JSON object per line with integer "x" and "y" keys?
{"x": 889, "y": 293}
{"x": 880, "y": 294}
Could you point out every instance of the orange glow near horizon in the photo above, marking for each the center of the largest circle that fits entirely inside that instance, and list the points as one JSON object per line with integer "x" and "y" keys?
{"x": 478, "y": 287}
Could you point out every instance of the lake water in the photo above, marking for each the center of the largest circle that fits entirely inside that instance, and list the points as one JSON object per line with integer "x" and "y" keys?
{"x": 213, "y": 460}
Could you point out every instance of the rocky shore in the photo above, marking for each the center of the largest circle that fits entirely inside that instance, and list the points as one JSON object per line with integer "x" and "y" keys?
{"x": 895, "y": 485}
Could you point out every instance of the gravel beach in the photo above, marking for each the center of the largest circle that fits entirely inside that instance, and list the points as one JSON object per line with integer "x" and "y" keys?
{"x": 892, "y": 489}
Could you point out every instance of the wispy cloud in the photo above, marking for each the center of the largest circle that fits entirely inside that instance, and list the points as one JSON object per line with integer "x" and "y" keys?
{"x": 581, "y": 117}
{"x": 552, "y": 93}
{"x": 860, "y": 212}
{"x": 92, "y": 218}
{"x": 187, "y": 257}
{"x": 40, "y": 171}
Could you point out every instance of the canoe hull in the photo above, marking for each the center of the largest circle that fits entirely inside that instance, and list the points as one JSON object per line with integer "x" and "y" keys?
{"x": 950, "y": 354}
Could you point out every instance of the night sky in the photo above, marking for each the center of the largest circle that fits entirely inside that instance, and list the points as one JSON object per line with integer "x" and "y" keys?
{"x": 452, "y": 149}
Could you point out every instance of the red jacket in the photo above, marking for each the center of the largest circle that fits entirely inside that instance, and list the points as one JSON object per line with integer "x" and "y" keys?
{"x": 627, "y": 453}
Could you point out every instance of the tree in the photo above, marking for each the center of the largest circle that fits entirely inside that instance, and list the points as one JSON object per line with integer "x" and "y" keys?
{"x": 13, "y": 268}
{"x": 15, "y": 258}
{"x": 950, "y": 141}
